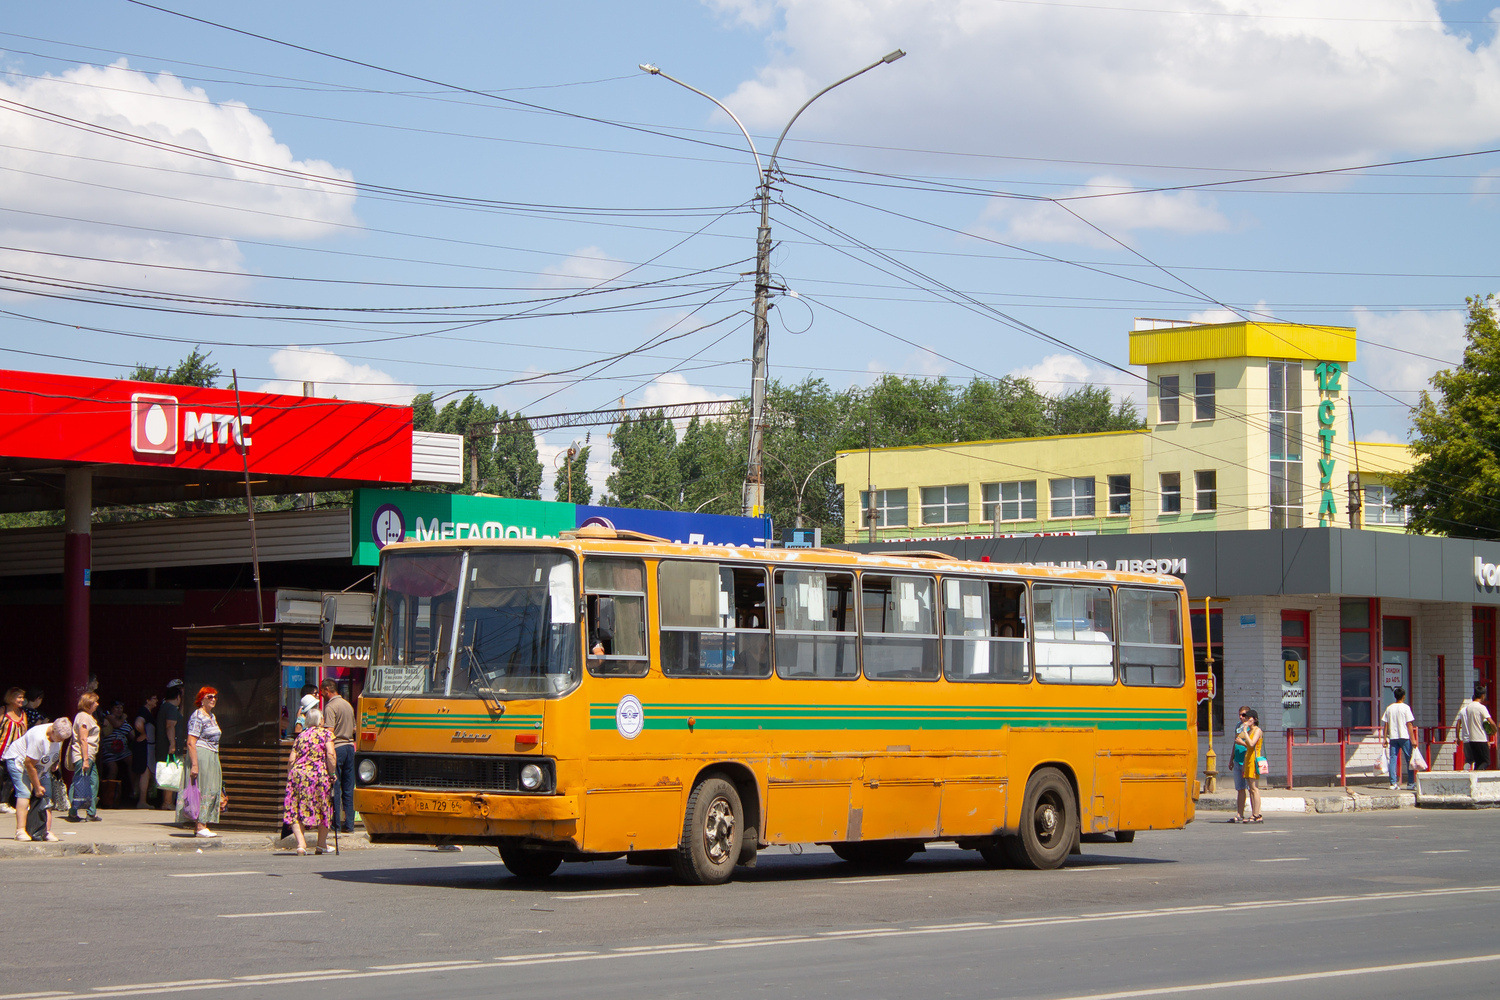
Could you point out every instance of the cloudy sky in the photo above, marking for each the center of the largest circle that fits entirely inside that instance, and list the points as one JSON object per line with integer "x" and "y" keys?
{"x": 387, "y": 199}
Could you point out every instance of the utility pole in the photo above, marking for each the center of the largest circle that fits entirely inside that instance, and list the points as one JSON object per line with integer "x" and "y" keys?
{"x": 754, "y": 501}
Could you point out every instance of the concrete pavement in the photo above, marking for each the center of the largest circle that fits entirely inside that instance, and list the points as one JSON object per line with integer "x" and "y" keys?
{"x": 145, "y": 831}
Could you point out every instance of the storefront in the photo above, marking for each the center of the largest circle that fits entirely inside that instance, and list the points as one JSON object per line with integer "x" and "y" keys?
{"x": 1313, "y": 627}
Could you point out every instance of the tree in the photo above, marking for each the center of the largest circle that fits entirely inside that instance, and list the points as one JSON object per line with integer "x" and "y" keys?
{"x": 1452, "y": 486}
{"x": 710, "y": 477}
{"x": 1090, "y": 410}
{"x": 195, "y": 369}
{"x": 571, "y": 484}
{"x": 645, "y": 470}
{"x": 518, "y": 470}
{"x": 457, "y": 417}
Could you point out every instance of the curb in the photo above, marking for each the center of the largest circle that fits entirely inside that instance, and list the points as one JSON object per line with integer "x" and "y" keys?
{"x": 1338, "y": 802}
{"x": 267, "y": 842}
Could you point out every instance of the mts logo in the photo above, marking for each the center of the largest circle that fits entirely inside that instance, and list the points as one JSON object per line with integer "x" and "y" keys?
{"x": 214, "y": 428}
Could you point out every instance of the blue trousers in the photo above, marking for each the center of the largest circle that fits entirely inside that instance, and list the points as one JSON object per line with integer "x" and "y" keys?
{"x": 343, "y": 789}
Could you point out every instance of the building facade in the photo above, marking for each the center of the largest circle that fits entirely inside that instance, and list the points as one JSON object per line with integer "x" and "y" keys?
{"x": 1248, "y": 426}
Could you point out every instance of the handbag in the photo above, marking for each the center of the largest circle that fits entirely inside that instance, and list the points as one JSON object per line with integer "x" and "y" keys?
{"x": 170, "y": 774}
{"x": 1262, "y": 766}
{"x": 191, "y": 801}
{"x": 1384, "y": 762}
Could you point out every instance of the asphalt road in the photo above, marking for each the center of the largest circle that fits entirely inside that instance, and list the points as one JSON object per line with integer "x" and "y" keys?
{"x": 1371, "y": 905}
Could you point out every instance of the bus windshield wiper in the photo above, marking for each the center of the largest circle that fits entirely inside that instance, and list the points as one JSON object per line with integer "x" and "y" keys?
{"x": 480, "y": 683}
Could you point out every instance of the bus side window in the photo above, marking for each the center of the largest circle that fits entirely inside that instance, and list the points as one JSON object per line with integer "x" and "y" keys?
{"x": 984, "y": 630}
{"x": 615, "y": 598}
{"x": 898, "y": 628}
{"x": 1074, "y": 634}
{"x": 1150, "y": 637}
{"x": 816, "y": 635}
{"x": 714, "y": 620}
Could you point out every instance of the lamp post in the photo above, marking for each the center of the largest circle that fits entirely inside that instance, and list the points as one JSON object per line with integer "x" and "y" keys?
{"x": 755, "y": 487}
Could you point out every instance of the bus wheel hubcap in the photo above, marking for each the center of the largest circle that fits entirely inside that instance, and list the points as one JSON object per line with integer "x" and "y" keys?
{"x": 718, "y": 830}
{"x": 1046, "y": 821}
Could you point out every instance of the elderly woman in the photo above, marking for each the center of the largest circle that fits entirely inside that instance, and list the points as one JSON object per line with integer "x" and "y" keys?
{"x": 83, "y": 758}
{"x": 30, "y": 761}
{"x": 309, "y": 781}
{"x": 203, "y": 764}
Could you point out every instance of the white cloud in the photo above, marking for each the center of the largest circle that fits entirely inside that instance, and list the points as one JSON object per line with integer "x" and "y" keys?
{"x": 1418, "y": 338}
{"x": 1208, "y": 316}
{"x": 1380, "y": 437}
{"x": 671, "y": 388}
{"x": 584, "y": 268}
{"x": 1045, "y": 222}
{"x": 1057, "y": 374}
{"x": 333, "y": 376}
{"x": 89, "y": 186}
{"x": 1211, "y": 82}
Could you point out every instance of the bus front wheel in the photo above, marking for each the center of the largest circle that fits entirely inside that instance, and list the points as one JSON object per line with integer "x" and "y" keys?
{"x": 529, "y": 864}
{"x": 712, "y": 832}
{"x": 1049, "y": 822}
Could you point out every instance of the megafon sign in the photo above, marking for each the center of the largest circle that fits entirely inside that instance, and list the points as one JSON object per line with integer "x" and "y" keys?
{"x": 118, "y": 422}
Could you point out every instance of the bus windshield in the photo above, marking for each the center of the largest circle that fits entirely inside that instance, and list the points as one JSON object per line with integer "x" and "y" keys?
{"x": 514, "y": 633}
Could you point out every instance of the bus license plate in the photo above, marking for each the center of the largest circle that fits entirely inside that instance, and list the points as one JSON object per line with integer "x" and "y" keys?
{"x": 433, "y": 805}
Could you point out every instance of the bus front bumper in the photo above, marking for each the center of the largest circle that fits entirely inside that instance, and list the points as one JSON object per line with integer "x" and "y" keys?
{"x": 392, "y": 815}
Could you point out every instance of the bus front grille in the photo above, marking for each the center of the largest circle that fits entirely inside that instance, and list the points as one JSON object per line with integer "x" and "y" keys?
{"x": 449, "y": 773}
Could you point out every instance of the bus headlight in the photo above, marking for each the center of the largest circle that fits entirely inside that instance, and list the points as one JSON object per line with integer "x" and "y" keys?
{"x": 366, "y": 771}
{"x": 532, "y": 777}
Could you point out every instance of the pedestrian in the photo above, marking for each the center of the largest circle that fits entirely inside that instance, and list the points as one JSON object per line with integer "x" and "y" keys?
{"x": 203, "y": 763}
{"x": 34, "y": 716}
{"x": 83, "y": 755}
{"x": 12, "y": 727}
{"x": 309, "y": 700}
{"x": 171, "y": 734}
{"x": 114, "y": 752}
{"x": 1249, "y": 743}
{"x": 339, "y": 716}
{"x": 143, "y": 748}
{"x": 1400, "y": 728}
{"x": 30, "y": 761}
{"x": 1474, "y": 726}
{"x": 310, "y": 772}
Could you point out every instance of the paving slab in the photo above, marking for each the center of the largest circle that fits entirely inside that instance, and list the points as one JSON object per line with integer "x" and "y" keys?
{"x": 146, "y": 831}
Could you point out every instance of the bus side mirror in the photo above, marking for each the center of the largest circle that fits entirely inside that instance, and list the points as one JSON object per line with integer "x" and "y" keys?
{"x": 329, "y": 617}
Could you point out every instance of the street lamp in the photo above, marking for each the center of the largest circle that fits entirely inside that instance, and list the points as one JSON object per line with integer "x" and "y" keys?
{"x": 755, "y": 486}
{"x": 803, "y": 488}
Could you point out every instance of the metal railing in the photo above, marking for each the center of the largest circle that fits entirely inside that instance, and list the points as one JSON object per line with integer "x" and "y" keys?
{"x": 1430, "y": 738}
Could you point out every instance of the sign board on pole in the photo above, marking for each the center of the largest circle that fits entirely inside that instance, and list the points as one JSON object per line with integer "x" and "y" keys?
{"x": 1205, "y": 687}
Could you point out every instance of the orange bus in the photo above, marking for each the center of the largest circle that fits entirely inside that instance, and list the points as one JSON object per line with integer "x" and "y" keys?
{"x": 609, "y": 694}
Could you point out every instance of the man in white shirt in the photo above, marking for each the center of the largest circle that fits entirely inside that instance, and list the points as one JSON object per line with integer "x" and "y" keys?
{"x": 1474, "y": 725}
{"x": 1400, "y": 728}
{"x": 30, "y": 760}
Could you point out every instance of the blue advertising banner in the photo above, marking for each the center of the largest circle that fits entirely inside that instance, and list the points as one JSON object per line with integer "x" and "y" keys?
{"x": 676, "y": 526}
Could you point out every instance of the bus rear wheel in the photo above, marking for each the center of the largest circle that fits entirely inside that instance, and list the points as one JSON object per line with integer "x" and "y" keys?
{"x": 529, "y": 864}
{"x": 1049, "y": 822}
{"x": 874, "y": 853}
{"x": 712, "y": 832}
{"x": 1124, "y": 836}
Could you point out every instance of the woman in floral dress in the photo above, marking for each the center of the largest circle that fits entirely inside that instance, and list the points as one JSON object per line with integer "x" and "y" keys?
{"x": 309, "y": 782}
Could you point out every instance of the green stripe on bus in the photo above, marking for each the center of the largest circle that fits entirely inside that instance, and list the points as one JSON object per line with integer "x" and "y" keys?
{"x": 852, "y": 717}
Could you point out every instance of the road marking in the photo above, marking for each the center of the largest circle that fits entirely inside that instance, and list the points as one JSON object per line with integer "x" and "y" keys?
{"x": 29, "y": 996}
{"x": 1268, "y": 861}
{"x": 492, "y": 861}
{"x": 270, "y": 977}
{"x": 209, "y": 874}
{"x": 834, "y": 937}
{"x": 598, "y": 895}
{"x": 1456, "y": 850}
{"x": 1303, "y": 977}
{"x": 865, "y": 881}
{"x": 270, "y": 913}
{"x": 1093, "y": 868}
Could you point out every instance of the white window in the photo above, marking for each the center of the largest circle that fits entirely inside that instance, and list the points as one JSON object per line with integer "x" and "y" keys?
{"x": 1017, "y": 501}
{"x": 1072, "y": 497}
{"x": 1203, "y": 396}
{"x": 890, "y": 508}
{"x": 1206, "y": 490}
{"x": 1171, "y": 493}
{"x": 1381, "y": 508}
{"x": 1167, "y": 400}
{"x": 1285, "y": 402}
{"x": 945, "y": 504}
{"x": 1119, "y": 495}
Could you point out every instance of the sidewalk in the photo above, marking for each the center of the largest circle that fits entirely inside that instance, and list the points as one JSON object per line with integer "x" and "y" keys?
{"x": 145, "y": 831}
{"x": 1324, "y": 799}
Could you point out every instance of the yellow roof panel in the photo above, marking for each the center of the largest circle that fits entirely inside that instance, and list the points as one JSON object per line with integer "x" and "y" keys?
{"x": 1242, "y": 340}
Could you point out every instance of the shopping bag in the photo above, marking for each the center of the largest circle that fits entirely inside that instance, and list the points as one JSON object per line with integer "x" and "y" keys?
{"x": 36, "y": 818}
{"x": 170, "y": 774}
{"x": 1418, "y": 762}
{"x": 1262, "y": 766}
{"x": 1384, "y": 762}
{"x": 191, "y": 801}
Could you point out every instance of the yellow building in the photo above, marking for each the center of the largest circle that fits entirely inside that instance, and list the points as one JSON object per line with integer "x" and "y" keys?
{"x": 1247, "y": 426}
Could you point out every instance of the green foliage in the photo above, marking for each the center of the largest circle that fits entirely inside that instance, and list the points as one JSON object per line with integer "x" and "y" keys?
{"x": 518, "y": 470}
{"x": 571, "y": 484}
{"x": 645, "y": 470}
{"x": 195, "y": 369}
{"x": 1453, "y": 486}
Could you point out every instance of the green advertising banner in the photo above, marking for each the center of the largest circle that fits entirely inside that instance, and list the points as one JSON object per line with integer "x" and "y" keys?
{"x": 385, "y": 516}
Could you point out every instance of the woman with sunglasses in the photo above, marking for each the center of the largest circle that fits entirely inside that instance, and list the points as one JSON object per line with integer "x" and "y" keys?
{"x": 1248, "y": 746}
{"x": 203, "y": 765}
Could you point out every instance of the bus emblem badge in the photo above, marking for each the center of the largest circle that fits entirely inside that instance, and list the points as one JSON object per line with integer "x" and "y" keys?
{"x": 630, "y": 717}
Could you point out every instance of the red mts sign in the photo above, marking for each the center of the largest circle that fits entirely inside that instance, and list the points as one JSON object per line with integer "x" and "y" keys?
{"x": 114, "y": 422}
